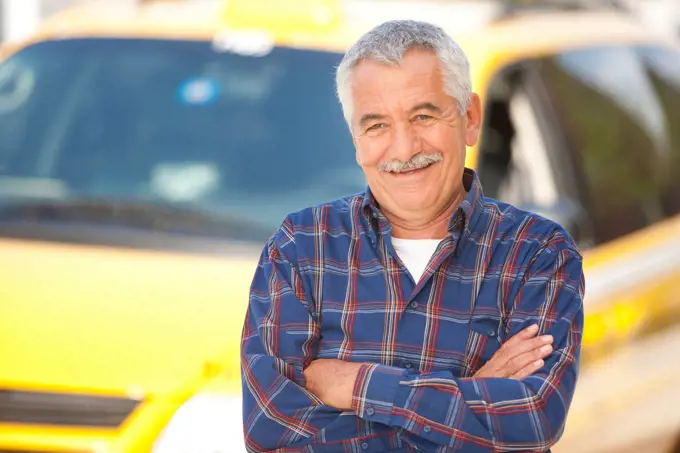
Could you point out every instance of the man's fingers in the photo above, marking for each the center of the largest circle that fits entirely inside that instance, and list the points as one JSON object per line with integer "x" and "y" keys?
{"x": 521, "y": 361}
{"x": 510, "y": 350}
{"x": 528, "y": 370}
{"x": 515, "y": 349}
{"x": 521, "y": 354}
{"x": 519, "y": 366}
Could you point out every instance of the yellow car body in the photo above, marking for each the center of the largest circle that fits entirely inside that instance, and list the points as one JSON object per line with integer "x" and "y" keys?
{"x": 102, "y": 344}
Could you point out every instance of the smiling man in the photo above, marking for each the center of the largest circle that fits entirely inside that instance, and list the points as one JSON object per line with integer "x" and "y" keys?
{"x": 419, "y": 315}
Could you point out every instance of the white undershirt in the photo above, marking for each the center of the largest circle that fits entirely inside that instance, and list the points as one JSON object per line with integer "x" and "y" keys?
{"x": 415, "y": 254}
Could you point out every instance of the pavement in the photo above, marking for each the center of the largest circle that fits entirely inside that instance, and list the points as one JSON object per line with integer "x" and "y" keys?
{"x": 628, "y": 402}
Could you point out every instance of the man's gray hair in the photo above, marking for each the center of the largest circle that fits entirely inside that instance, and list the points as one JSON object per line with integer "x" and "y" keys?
{"x": 388, "y": 42}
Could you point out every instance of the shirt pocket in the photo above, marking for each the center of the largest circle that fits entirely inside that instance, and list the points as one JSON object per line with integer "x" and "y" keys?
{"x": 484, "y": 340}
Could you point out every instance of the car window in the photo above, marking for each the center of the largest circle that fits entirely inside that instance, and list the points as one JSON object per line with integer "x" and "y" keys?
{"x": 663, "y": 70}
{"x": 618, "y": 114}
{"x": 185, "y": 122}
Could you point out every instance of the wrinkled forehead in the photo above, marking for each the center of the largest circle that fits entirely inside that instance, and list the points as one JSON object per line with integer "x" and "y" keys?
{"x": 417, "y": 78}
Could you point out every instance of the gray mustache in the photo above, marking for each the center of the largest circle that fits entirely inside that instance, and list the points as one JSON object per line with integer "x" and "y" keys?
{"x": 416, "y": 162}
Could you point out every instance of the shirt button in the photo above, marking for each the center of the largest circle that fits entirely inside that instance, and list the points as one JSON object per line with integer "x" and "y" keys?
{"x": 413, "y": 305}
{"x": 427, "y": 429}
{"x": 364, "y": 445}
{"x": 370, "y": 411}
{"x": 408, "y": 364}
{"x": 492, "y": 333}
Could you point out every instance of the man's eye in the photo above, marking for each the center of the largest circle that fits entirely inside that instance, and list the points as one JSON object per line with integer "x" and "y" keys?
{"x": 422, "y": 117}
{"x": 376, "y": 127}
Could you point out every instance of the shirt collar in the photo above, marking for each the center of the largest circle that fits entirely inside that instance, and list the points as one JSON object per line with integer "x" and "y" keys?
{"x": 462, "y": 219}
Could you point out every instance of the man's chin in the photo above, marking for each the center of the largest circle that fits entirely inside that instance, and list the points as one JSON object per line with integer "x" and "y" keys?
{"x": 411, "y": 202}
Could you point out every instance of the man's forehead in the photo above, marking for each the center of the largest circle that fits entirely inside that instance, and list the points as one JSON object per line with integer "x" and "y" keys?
{"x": 375, "y": 79}
{"x": 411, "y": 98}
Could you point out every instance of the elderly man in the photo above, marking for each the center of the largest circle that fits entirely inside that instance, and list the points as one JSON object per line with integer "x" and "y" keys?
{"x": 419, "y": 315}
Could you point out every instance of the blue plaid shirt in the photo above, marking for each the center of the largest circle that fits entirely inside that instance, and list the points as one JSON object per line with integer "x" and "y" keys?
{"x": 330, "y": 285}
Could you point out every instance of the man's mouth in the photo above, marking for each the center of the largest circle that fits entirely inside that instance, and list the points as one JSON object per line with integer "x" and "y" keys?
{"x": 412, "y": 171}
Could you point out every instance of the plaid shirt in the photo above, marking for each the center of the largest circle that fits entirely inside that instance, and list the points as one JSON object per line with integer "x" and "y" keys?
{"x": 330, "y": 285}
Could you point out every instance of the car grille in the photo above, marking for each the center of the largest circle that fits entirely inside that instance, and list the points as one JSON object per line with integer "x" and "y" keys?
{"x": 64, "y": 409}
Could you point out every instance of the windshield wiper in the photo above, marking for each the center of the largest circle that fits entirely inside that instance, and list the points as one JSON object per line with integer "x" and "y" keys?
{"x": 137, "y": 214}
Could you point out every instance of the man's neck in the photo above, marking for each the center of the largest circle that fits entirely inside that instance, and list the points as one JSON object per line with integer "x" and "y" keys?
{"x": 431, "y": 226}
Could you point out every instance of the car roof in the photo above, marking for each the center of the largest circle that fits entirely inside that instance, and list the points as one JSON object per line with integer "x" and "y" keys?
{"x": 203, "y": 19}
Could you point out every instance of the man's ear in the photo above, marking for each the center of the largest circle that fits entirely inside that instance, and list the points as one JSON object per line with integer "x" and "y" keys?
{"x": 358, "y": 157}
{"x": 473, "y": 124}
{"x": 357, "y": 154}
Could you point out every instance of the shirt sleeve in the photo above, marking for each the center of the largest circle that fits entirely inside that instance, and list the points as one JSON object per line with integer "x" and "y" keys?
{"x": 493, "y": 413}
{"x": 279, "y": 339}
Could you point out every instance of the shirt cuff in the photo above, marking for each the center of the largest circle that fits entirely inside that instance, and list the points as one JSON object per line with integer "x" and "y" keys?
{"x": 375, "y": 389}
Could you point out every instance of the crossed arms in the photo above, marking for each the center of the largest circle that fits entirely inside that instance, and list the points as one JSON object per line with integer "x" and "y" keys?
{"x": 518, "y": 401}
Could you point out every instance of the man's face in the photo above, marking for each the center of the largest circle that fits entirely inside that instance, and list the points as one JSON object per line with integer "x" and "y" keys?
{"x": 402, "y": 114}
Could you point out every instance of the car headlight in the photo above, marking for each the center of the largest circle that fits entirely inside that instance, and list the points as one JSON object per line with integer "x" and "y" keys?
{"x": 206, "y": 423}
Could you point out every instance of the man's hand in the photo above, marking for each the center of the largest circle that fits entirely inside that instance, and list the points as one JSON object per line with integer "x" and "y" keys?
{"x": 332, "y": 381}
{"x": 520, "y": 357}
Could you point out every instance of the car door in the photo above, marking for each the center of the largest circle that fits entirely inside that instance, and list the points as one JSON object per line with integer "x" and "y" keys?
{"x": 591, "y": 138}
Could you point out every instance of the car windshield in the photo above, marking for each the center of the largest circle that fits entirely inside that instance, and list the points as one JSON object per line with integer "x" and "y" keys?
{"x": 185, "y": 123}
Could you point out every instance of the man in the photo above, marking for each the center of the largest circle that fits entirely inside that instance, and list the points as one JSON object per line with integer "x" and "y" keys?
{"x": 420, "y": 315}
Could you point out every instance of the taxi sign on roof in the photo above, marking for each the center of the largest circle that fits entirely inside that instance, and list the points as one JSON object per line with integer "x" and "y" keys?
{"x": 283, "y": 16}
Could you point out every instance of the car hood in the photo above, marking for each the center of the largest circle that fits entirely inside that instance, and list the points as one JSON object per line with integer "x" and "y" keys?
{"x": 105, "y": 319}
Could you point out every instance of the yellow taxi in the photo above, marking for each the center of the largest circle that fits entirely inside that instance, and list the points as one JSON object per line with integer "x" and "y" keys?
{"x": 149, "y": 148}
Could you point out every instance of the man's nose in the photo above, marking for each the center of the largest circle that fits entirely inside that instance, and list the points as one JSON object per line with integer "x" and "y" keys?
{"x": 405, "y": 143}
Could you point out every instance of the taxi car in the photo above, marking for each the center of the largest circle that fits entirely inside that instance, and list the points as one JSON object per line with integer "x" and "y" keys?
{"x": 148, "y": 149}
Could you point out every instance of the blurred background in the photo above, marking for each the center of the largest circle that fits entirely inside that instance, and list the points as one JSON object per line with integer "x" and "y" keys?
{"x": 148, "y": 148}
